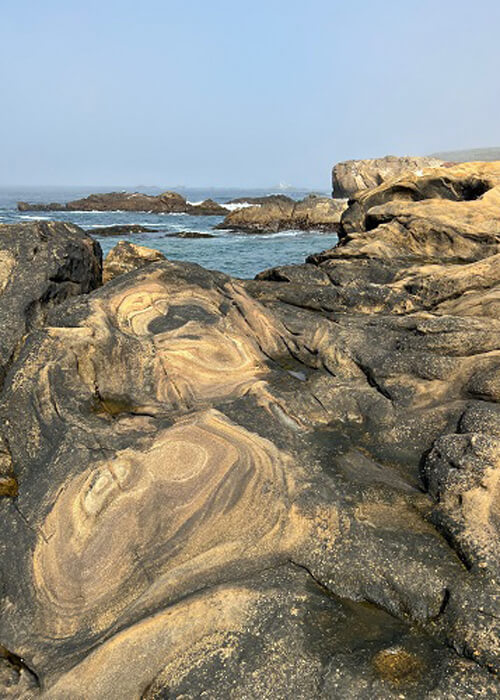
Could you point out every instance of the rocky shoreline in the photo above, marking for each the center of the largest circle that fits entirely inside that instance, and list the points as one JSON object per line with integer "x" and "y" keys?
{"x": 265, "y": 488}
{"x": 268, "y": 214}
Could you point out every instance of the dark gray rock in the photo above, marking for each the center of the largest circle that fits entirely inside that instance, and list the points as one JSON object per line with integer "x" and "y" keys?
{"x": 42, "y": 265}
{"x": 167, "y": 202}
{"x": 189, "y": 234}
{"x": 119, "y": 230}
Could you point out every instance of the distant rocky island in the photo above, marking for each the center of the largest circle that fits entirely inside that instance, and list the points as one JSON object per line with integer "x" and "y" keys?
{"x": 167, "y": 202}
{"x": 469, "y": 155}
{"x": 256, "y": 215}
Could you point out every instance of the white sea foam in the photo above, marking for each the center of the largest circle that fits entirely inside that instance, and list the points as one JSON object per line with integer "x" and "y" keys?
{"x": 94, "y": 211}
{"x": 35, "y": 218}
{"x": 230, "y": 206}
{"x": 239, "y": 205}
{"x": 282, "y": 234}
{"x": 127, "y": 223}
{"x": 290, "y": 234}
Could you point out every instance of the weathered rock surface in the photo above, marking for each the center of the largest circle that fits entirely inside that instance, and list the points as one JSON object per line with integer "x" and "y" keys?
{"x": 126, "y": 256}
{"x": 261, "y": 200}
{"x": 281, "y": 213}
{"x": 168, "y": 202}
{"x": 351, "y": 176}
{"x": 41, "y": 265}
{"x": 207, "y": 208}
{"x": 285, "y": 487}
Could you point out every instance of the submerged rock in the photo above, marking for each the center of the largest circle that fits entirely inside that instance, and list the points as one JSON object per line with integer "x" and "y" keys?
{"x": 118, "y": 230}
{"x": 189, "y": 234}
{"x": 273, "y": 488}
{"x": 281, "y": 213}
{"x": 352, "y": 176}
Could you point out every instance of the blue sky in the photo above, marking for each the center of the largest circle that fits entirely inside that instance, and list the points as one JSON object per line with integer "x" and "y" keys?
{"x": 166, "y": 92}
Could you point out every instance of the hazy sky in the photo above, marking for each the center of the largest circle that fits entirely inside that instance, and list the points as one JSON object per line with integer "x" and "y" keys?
{"x": 243, "y": 93}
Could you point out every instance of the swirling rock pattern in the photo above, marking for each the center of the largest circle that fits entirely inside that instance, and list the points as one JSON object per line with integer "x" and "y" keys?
{"x": 204, "y": 491}
{"x": 283, "y": 487}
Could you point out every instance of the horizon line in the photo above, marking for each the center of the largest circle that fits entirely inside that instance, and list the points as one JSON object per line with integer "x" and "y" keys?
{"x": 173, "y": 188}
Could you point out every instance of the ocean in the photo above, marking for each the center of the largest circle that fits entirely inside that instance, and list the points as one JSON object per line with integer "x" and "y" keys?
{"x": 241, "y": 255}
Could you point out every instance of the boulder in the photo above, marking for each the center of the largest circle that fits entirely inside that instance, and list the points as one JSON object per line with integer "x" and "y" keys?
{"x": 126, "y": 256}
{"x": 41, "y": 265}
{"x": 278, "y": 214}
{"x": 351, "y": 176}
{"x": 207, "y": 208}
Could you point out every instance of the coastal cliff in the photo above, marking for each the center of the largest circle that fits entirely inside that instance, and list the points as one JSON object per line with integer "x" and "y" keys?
{"x": 283, "y": 486}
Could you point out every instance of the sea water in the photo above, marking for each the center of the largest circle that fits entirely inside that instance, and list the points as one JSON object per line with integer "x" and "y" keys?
{"x": 238, "y": 254}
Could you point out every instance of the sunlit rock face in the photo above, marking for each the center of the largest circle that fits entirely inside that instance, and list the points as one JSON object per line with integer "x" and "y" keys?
{"x": 351, "y": 176}
{"x": 126, "y": 256}
{"x": 281, "y": 213}
{"x": 276, "y": 488}
{"x": 205, "y": 490}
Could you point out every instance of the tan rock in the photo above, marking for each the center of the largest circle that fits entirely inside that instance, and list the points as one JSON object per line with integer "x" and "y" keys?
{"x": 311, "y": 213}
{"x": 126, "y": 256}
{"x": 352, "y": 176}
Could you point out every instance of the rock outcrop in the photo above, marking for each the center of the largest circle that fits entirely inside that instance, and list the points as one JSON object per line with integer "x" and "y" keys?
{"x": 167, "y": 203}
{"x": 352, "y": 176}
{"x": 189, "y": 234}
{"x": 41, "y": 265}
{"x": 266, "y": 199}
{"x": 282, "y": 213}
{"x": 126, "y": 256}
{"x": 118, "y": 230}
{"x": 273, "y": 488}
